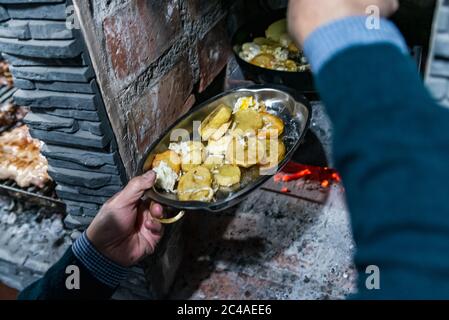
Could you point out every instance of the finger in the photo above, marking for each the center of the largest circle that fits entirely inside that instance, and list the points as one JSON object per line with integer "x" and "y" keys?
{"x": 137, "y": 186}
{"x": 156, "y": 210}
{"x": 154, "y": 227}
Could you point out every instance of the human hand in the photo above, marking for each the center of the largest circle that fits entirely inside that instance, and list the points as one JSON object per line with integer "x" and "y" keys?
{"x": 123, "y": 229}
{"x": 304, "y": 16}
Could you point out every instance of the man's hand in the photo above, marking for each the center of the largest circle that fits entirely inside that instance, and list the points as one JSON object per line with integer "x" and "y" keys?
{"x": 304, "y": 16}
{"x": 124, "y": 230}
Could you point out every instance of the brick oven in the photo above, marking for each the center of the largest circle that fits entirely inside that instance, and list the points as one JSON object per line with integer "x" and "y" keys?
{"x": 102, "y": 80}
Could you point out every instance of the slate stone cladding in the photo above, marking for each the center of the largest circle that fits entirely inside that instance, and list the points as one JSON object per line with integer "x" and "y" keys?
{"x": 437, "y": 75}
{"x": 55, "y": 78}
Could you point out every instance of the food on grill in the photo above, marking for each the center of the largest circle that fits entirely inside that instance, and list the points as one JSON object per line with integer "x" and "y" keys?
{"x": 227, "y": 175}
{"x": 5, "y": 75}
{"x": 276, "y": 51}
{"x": 272, "y": 126}
{"x": 196, "y": 185}
{"x": 21, "y": 160}
{"x": 11, "y": 116}
{"x": 213, "y": 122}
{"x": 170, "y": 158}
{"x": 196, "y": 170}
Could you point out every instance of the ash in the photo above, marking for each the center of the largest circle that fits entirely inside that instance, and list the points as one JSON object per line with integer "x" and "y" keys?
{"x": 30, "y": 242}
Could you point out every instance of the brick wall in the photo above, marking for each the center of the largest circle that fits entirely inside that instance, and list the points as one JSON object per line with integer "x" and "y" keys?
{"x": 52, "y": 69}
{"x": 151, "y": 59}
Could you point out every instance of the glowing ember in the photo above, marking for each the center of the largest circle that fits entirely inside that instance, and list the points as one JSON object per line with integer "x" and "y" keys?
{"x": 323, "y": 176}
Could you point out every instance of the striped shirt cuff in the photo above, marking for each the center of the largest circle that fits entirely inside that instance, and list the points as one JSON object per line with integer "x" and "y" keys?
{"x": 330, "y": 39}
{"x": 102, "y": 268}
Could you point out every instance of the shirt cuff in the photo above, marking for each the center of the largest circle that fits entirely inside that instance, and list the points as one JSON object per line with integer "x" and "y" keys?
{"x": 102, "y": 268}
{"x": 330, "y": 39}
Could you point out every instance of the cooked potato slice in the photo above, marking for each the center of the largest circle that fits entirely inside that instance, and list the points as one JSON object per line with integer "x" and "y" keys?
{"x": 192, "y": 154}
{"x": 195, "y": 185}
{"x": 220, "y": 132}
{"x": 245, "y": 151}
{"x": 264, "y": 60}
{"x": 213, "y": 122}
{"x": 273, "y": 126}
{"x": 213, "y": 161}
{"x": 171, "y": 158}
{"x": 274, "y": 153}
{"x": 227, "y": 175}
{"x": 247, "y": 121}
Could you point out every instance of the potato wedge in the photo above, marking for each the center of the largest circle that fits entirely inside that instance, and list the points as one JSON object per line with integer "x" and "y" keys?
{"x": 213, "y": 122}
{"x": 171, "y": 158}
{"x": 273, "y": 126}
{"x": 227, "y": 175}
{"x": 195, "y": 185}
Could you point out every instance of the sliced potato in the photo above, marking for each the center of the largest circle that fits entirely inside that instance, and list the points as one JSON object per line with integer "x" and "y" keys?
{"x": 220, "y": 132}
{"x": 227, "y": 175}
{"x": 247, "y": 121}
{"x": 195, "y": 185}
{"x": 193, "y": 155}
{"x": 273, "y": 126}
{"x": 261, "y": 41}
{"x": 170, "y": 157}
{"x": 264, "y": 60}
{"x": 221, "y": 115}
{"x": 213, "y": 161}
{"x": 274, "y": 153}
{"x": 245, "y": 151}
{"x": 276, "y": 30}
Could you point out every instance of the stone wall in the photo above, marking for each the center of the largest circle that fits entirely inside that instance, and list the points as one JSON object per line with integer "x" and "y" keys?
{"x": 437, "y": 76}
{"x": 151, "y": 59}
{"x": 52, "y": 69}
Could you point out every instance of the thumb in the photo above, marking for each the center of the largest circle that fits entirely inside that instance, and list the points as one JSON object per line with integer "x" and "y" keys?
{"x": 135, "y": 189}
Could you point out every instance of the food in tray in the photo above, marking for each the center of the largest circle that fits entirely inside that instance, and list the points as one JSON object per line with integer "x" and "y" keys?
{"x": 233, "y": 139}
{"x": 275, "y": 51}
{"x": 21, "y": 160}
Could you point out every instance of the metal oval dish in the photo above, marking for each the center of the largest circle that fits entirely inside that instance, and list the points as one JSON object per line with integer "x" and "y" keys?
{"x": 291, "y": 107}
{"x": 302, "y": 81}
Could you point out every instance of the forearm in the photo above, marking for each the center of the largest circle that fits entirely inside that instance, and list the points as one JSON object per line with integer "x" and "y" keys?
{"x": 391, "y": 145}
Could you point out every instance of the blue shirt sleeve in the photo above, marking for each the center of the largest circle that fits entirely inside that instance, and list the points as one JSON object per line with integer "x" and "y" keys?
{"x": 102, "y": 268}
{"x": 330, "y": 39}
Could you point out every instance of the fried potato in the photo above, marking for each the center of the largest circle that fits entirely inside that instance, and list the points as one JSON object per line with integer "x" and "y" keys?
{"x": 247, "y": 121}
{"x": 171, "y": 158}
{"x": 227, "y": 175}
{"x": 245, "y": 151}
{"x": 274, "y": 153}
{"x": 273, "y": 126}
{"x": 214, "y": 121}
{"x": 195, "y": 185}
